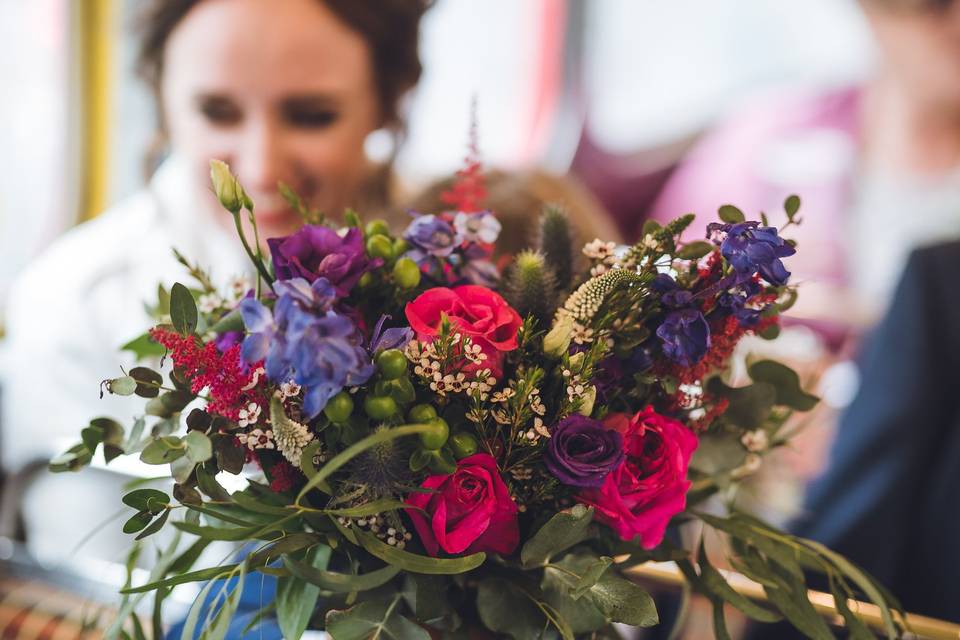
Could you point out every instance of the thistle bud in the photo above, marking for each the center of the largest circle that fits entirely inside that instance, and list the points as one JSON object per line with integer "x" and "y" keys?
{"x": 226, "y": 187}
{"x": 557, "y": 340}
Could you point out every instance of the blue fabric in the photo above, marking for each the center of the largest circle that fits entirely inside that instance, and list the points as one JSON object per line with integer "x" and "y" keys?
{"x": 258, "y": 591}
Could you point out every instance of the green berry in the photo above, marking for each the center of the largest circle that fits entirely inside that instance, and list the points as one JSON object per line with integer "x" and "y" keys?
{"x": 377, "y": 228}
{"x": 380, "y": 407}
{"x": 437, "y": 436}
{"x": 422, "y": 413}
{"x": 463, "y": 444}
{"x": 365, "y": 280}
{"x": 400, "y": 247}
{"x": 392, "y": 364}
{"x": 379, "y": 247}
{"x": 406, "y": 273}
{"x": 339, "y": 407}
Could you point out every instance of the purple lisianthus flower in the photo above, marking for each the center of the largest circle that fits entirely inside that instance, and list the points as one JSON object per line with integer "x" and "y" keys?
{"x": 306, "y": 341}
{"x": 431, "y": 236}
{"x": 228, "y": 339}
{"x": 319, "y": 252}
{"x": 750, "y": 249}
{"x": 480, "y": 226}
{"x": 684, "y": 336}
{"x": 582, "y": 452}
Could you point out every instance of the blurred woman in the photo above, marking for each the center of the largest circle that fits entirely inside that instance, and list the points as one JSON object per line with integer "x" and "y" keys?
{"x": 282, "y": 91}
{"x": 877, "y": 165}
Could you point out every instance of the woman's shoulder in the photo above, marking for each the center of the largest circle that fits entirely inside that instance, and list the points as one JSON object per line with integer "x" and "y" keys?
{"x": 104, "y": 246}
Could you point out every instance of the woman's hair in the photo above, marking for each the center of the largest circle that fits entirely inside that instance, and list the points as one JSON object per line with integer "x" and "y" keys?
{"x": 391, "y": 28}
{"x": 518, "y": 198}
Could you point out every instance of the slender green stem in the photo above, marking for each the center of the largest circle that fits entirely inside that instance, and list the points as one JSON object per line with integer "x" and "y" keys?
{"x": 257, "y": 261}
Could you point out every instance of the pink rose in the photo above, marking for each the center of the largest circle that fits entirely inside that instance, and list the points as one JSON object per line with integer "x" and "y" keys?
{"x": 475, "y": 311}
{"x": 639, "y": 497}
{"x": 469, "y": 510}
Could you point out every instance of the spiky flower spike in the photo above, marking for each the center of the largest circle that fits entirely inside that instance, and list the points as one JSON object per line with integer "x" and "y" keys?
{"x": 290, "y": 436}
{"x": 584, "y": 303}
{"x": 531, "y": 287}
{"x": 556, "y": 244}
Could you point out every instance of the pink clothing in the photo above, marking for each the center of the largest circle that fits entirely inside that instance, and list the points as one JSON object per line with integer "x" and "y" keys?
{"x": 803, "y": 144}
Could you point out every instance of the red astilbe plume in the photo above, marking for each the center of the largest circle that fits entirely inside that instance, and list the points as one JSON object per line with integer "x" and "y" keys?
{"x": 232, "y": 386}
{"x": 284, "y": 476}
{"x": 469, "y": 189}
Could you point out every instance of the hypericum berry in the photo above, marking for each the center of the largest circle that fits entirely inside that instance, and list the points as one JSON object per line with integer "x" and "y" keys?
{"x": 463, "y": 444}
{"x": 422, "y": 413}
{"x": 380, "y": 247}
{"x": 380, "y": 407}
{"x": 377, "y": 228}
{"x": 437, "y": 436}
{"x": 339, "y": 407}
{"x": 406, "y": 273}
{"x": 392, "y": 364}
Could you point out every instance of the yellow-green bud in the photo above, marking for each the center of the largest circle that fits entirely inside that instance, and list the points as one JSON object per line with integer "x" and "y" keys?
{"x": 557, "y": 341}
{"x": 576, "y": 360}
{"x": 589, "y": 398}
{"x": 226, "y": 187}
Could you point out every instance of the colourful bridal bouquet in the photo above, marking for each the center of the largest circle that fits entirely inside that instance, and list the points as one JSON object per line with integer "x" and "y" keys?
{"x": 436, "y": 445}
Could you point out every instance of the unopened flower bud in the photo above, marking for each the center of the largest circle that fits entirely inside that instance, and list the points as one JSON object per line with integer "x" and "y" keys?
{"x": 557, "y": 341}
{"x": 226, "y": 187}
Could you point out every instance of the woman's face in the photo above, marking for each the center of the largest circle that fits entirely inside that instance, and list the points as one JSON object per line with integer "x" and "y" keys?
{"x": 920, "y": 44}
{"x": 282, "y": 91}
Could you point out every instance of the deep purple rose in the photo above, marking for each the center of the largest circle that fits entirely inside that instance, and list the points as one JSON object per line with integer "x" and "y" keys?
{"x": 684, "y": 336}
{"x": 582, "y": 452}
{"x": 750, "y": 249}
{"x": 319, "y": 252}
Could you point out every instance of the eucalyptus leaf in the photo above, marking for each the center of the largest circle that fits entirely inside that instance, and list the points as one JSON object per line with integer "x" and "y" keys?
{"x": 695, "y": 250}
{"x": 503, "y": 609}
{"x": 143, "y": 347}
{"x": 717, "y": 585}
{"x": 143, "y": 499}
{"x": 340, "y": 582}
{"x": 155, "y": 526}
{"x": 786, "y": 382}
{"x": 148, "y": 382}
{"x": 731, "y": 214}
{"x": 183, "y": 310}
{"x": 791, "y": 205}
{"x": 163, "y": 450}
{"x": 750, "y": 406}
{"x": 122, "y": 386}
{"x": 199, "y": 448}
{"x": 416, "y": 563}
{"x": 297, "y": 597}
{"x": 371, "y": 620}
{"x": 137, "y": 522}
{"x": 561, "y": 532}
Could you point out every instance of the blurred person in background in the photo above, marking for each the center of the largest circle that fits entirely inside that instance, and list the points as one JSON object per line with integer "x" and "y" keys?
{"x": 877, "y": 165}
{"x": 283, "y": 92}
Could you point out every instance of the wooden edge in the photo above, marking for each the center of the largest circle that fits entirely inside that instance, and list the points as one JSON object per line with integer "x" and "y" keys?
{"x": 667, "y": 573}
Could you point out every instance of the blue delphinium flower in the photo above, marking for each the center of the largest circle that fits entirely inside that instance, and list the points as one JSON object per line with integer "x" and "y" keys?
{"x": 750, "y": 249}
{"x": 306, "y": 341}
{"x": 684, "y": 336}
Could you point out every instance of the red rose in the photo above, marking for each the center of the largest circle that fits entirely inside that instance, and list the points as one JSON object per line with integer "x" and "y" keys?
{"x": 469, "y": 510}
{"x": 639, "y": 497}
{"x": 475, "y": 311}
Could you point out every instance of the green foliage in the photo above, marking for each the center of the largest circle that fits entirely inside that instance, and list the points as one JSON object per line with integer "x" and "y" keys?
{"x": 183, "y": 310}
{"x": 556, "y": 245}
{"x": 695, "y": 250}
{"x": 730, "y": 214}
{"x": 297, "y": 597}
{"x": 340, "y": 582}
{"x": 786, "y": 384}
{"x": 148, "y": 382}
{"x": 417, "y": 563}
{"x": 143, "y": 346}
{"x": 374, "y": 619}
{"x": 561, "y": 532}
{"x": 615, "y": 598}
{"x": 505, "y": 608}
{"x": 791, "y": 205}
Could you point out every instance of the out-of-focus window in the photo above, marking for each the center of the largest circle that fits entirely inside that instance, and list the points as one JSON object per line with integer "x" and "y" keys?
{"x": 35, "y": 140}
{"x": 658, "y": 71}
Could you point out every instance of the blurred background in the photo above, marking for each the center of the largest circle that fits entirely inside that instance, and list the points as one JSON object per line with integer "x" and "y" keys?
{"x": 638, "y": 103}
